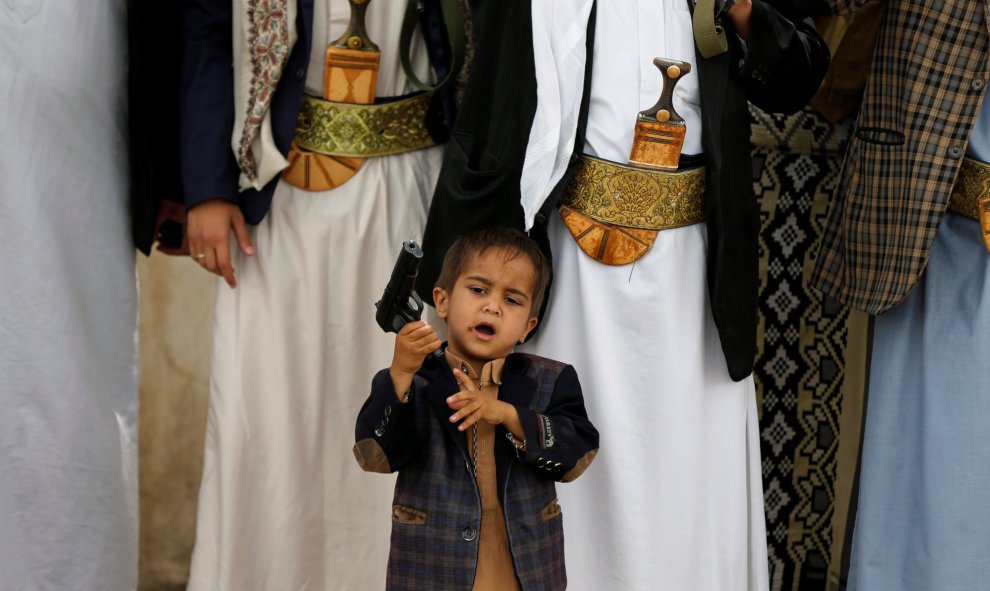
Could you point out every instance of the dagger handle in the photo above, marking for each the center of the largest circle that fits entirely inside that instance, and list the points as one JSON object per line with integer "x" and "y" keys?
{"x": 660, "y": 131}
{"x": 356, "y": 35}
{"x": 663, "y": 111}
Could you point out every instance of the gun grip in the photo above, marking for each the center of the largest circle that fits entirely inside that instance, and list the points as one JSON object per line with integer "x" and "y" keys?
{"x": 410, "y": 311}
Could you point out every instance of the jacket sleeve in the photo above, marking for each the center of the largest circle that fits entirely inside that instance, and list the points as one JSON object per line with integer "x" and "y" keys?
{"x": 785, "y": 58}
{"x": 385, "y": 436}
{"x": 830, "y": 7}
{"x": 560, "y": 441}
{"x": 206, "y": 108}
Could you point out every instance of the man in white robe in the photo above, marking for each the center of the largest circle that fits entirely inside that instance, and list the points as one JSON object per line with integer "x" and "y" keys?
{"x": 68, "y": 310}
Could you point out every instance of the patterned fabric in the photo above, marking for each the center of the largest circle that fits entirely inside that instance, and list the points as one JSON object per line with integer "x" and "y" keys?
{"x": 438, "y": 549}
{"x": 264, "y": 33}
{"x": 926, "y": 84}
{"x": 344, "y": 129}
{"x": 810, "y": 361}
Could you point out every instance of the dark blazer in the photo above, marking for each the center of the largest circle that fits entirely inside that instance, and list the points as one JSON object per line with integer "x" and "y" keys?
{"x": 437, "y": 507}
{"x": 779, "y": 71}
{"x": 209, "y": 170}
{"x": 153, "y": 113}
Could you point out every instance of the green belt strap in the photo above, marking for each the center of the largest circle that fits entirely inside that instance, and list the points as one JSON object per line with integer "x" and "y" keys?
{"x": 710, "y": 41}
{"x": 453, "y": 20}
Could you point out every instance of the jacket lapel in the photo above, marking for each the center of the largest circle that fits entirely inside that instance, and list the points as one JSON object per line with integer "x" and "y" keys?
{"x": 441, "y": 385}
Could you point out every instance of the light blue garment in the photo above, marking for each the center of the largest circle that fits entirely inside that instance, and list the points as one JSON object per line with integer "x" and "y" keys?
{"x": 923, "y": 521}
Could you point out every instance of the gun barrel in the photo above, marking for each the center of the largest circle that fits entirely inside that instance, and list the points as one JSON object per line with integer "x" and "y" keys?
{"x": 395, "y": 300}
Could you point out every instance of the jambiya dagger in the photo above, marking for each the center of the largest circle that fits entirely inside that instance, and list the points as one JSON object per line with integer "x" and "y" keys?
{"x": 660, "y": 131}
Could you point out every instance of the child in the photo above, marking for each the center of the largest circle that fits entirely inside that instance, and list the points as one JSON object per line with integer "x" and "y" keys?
{"x": 480, "y": 437}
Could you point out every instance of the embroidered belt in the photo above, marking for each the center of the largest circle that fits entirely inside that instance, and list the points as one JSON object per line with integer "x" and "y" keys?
{"x": 346, "y": 129}
{"x": 970, "y": 195}
{"x": 614, "y": 211}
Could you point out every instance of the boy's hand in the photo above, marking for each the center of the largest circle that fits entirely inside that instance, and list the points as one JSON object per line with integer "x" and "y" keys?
{"x": 473, "y": 406}
{"x": 414, "y": 342}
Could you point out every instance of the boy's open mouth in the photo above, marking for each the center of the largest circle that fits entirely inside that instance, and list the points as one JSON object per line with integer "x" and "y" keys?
{"x": 484, "y": 329}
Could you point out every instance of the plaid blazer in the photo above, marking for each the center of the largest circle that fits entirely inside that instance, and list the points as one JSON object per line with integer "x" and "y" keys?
{"x": 437, "y": 508}
{"x": 925, "y": 89}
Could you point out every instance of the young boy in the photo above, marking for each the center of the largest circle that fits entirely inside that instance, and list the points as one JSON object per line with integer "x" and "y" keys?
{"x": 480, "y": 437}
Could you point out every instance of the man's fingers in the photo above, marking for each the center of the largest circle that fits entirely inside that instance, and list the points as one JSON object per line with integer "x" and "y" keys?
{"x": 241, "y": 232}
{"x": 223, "y": 264}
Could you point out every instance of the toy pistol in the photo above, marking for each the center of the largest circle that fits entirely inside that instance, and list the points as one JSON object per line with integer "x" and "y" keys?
{"x": 400, "y": 304}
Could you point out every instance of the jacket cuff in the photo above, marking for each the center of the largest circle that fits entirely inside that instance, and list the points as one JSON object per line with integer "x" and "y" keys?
{"x": 763, "y": 46}
{"x": 385, "y": 416}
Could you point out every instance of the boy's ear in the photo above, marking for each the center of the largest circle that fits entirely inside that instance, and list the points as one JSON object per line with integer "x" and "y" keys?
{"x": 530, "y": 325}
{"x": 440, "y": 301}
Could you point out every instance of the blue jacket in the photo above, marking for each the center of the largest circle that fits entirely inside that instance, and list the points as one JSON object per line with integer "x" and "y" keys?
{"x": 437, "y": 507}
{"x": 206, "y": 117}
{"x": 209, "y": 169}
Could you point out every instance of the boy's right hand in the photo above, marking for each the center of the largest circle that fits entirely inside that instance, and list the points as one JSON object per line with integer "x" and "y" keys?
{"x": 414, "y": 342}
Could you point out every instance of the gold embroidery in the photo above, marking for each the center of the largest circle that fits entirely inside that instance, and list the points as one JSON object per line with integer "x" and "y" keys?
{"x": 635, "y": 198}
{"x": 344, "y": 129}
{"x": 971, "y": 196}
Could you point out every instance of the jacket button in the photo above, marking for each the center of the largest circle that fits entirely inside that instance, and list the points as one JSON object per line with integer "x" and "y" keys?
{"x": 955, "y": 151}
{"x": 469, "y": 534}
{"x": 300, "y": 73}
{"x": 978, "y": 84}
{"x": 540, "y": 219}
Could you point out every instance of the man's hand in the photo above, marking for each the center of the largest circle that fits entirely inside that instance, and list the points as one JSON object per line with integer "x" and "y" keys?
{"x": 209, "y": 227}
{"x": 473, "y": 406}
{"x": 414, "y": 342}
{"x": 739, "y": 15}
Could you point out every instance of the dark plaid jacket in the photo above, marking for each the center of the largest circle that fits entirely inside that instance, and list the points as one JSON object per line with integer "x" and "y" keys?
{"x": 926, "y": 86}
{"x": 437, "y": 508}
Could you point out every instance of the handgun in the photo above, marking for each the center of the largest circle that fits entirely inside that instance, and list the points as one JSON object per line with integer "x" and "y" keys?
{"x": 400, "y": 304}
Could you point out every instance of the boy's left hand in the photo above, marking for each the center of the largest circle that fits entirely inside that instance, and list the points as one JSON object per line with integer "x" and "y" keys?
{"x": 473, "y": 406}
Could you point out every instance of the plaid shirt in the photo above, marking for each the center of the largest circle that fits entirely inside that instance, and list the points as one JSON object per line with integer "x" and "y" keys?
{"x": 437, "y": 509}
{"x": 925, "y": 89}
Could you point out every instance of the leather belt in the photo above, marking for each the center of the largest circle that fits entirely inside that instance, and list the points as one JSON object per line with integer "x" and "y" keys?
{"x": 615, "y": 211}
{"x": 353, "y": 130}
{"x": 970, "y": 195}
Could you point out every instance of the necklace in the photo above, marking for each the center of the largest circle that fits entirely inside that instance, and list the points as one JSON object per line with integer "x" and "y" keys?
{"x": 474, "y": 432}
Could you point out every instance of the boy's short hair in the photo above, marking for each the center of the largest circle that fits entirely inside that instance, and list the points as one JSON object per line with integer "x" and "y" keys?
{"x": 514, "y": 242}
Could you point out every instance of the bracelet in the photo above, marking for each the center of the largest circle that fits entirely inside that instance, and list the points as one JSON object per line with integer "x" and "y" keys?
{"x": 519, "y": 445}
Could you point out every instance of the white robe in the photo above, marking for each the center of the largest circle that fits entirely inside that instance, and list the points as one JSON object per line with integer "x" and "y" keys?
{"x": 68, "y": 309}
{"x": 283, "y": 504}
{"x": 674, "y": 500}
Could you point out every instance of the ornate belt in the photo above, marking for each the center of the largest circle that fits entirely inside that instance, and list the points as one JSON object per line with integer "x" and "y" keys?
{"x": 615, "y": 212}
{"x": 346, "y": 129}
{"x": 970, "y": 195}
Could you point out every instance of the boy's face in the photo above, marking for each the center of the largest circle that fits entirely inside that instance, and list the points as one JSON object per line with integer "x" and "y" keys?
{"x": 488, "y": 309}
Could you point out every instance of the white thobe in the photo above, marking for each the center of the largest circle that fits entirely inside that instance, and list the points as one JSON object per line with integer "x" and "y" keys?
{"x": 283, "y": 504}
{"x": 674, "y": 500}
{"x": 68, "y": 309}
